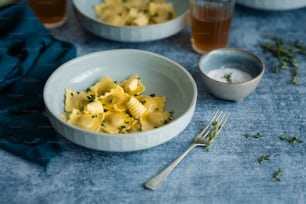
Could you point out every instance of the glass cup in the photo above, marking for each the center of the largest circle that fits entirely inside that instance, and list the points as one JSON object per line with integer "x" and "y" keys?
{"x": 52, "y": 13}
{"x": 210, "y": 24}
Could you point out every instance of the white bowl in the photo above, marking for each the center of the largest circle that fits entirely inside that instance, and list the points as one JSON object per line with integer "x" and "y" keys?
{"x": 160, "y": 75}
{"x": 276, "y": 5}
{"x": 242, "y": 60}
{"x": 84, "y": 10}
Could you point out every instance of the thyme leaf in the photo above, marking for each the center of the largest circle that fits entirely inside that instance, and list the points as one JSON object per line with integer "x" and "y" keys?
{"x": 214, "y": 134}
{"x": 291, "y": 140}
{"x": 91, "y": 98}
{"x": 228, "y": 77}
{"x": 263, "y": 157}
{"x": 276, "y": 175}
{"x": 256, "y": 136}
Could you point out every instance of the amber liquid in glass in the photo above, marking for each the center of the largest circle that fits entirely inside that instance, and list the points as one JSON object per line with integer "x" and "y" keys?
{"x": 51, "y": 12}
{"x": 210, "y": 28}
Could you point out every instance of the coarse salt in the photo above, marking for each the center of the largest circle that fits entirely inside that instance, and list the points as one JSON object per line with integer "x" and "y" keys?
{"x": 229, "y": 75}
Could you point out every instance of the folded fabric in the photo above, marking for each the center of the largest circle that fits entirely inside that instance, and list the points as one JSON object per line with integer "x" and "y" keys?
{"x": 28, "y": 55}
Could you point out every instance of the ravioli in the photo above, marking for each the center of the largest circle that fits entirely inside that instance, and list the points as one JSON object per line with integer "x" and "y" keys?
{"x": 134, "y": 12}
{"x": 115, "y": 108}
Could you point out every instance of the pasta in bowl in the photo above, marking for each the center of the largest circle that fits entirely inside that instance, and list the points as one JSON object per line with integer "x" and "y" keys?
{"x": 164, "y": 80}
{"x": 115, "y": 27}
{"x": 112, "y": 107}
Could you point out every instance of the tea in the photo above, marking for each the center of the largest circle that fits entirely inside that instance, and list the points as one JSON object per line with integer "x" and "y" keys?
{"x": 210, "y": 27}
{"x": 51, "y": 12}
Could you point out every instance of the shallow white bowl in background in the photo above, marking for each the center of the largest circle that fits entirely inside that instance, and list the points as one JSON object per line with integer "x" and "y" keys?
{"x": 160, "y": 75}
{"x": 84, "y": 10}
{"x": 277, "y": 5}
{"x": 231, "y": 58}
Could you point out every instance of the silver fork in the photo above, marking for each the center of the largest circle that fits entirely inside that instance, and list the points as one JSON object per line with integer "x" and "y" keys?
{"x": 204, "y": 139}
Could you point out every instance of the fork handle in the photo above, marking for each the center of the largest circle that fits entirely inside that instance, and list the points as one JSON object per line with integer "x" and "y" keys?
{"x": 155, "y": 181}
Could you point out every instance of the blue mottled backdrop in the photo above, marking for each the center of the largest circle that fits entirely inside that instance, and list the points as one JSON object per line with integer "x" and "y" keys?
{"x": 228, "y": 173}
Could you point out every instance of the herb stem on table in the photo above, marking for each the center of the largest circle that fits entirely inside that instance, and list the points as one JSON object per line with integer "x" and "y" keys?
{"x": 263, "y": 157}
{"x": 276, "y": 175}
{"x": 291, "y": 140}
{"x": 256, "y": 136}
{"x": 282, "y": 54}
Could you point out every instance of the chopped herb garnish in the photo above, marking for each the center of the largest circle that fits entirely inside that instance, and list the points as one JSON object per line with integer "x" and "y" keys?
{"x": 152, "y": 95}
{"x": 91, "y": 98}
{"x": 276, "y": 175}
{"x": 168, "y": 120}
{"x": 170, "y": 15}
{"x": 122, "y": 129}
{"x": 228, "y": 77}
{"x": 263, "y": 157}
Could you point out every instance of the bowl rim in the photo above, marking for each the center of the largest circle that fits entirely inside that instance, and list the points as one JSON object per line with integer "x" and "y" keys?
{"x": 185, "y": 13}
{"x": 258, "y": 76}
{"x": 191, "y": 105}
{"x": 273, "y": 5}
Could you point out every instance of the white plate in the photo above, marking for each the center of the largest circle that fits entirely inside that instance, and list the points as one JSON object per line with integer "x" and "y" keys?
{"x": 273, "y": 4}
{"x": 160, "y": 75}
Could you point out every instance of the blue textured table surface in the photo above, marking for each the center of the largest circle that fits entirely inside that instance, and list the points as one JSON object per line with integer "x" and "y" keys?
{"x": 228, "y": 173}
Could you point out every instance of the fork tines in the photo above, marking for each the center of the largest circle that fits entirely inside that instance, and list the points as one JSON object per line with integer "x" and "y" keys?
{"x": 220, "y": 118}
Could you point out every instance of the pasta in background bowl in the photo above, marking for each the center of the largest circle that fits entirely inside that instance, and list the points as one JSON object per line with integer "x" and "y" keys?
{"x": 134, "y": 12}
{"x": 88, "y": 19}
{"x": 161, "y": 76}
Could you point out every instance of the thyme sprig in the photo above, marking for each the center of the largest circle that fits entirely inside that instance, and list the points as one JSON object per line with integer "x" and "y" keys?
{"x": 282, "y": 53}
{"x": 214, "y": 134}
{"x": 291, "y": 140}
{"x": 228, "y": 77}
{"x": 263, "y": 158}
{"x": 256, "y": 136}
{"x": 276, "y": 175}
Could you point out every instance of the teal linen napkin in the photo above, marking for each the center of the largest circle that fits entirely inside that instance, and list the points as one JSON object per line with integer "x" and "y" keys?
{"x": 28, "y": 55}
